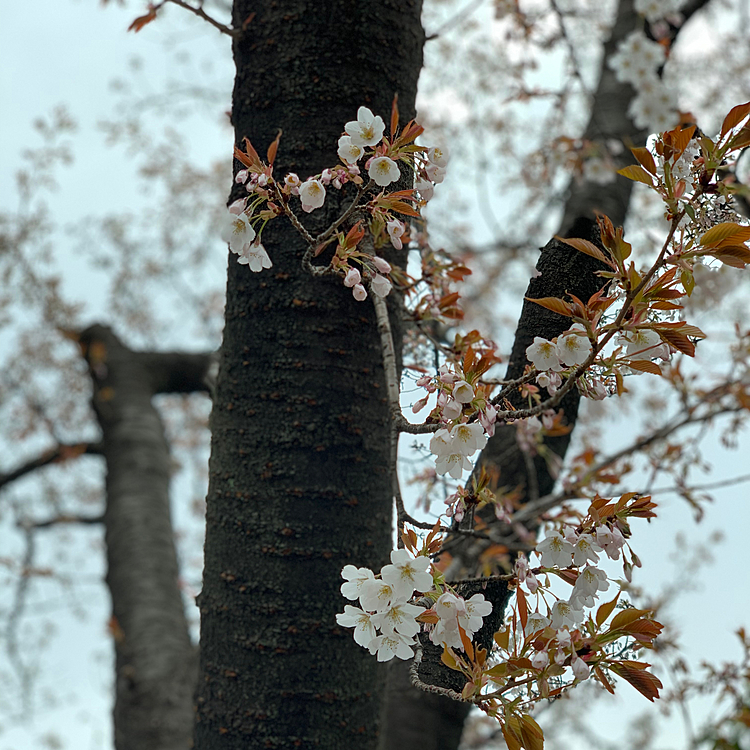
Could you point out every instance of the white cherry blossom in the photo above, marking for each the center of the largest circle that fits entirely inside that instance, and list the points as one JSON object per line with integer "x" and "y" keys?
{"x": 387, "y": 646}
{"x": 555, "y": 550}
{"x": 349, "y": 151}
{"x": 355, "y": 577}
{"x": 383, "y": 171}
{"x": 543, "y": 355}
{"x": 463, "y": 392}
{"x": 380, "y": 285}
{"x": 312, "y": 193}
{"x": 399, "y": 618}
{"x": 396, "y": 230}
{"x": 407, "y": 573}
{"x": 454, "y": 464}
{"x": 573, "y": 346}
{"x": 376, "y": 595}
{"x": 255, "y": 256}
{"x": 565, "y": 614}
{"x": 468, "y": 438}
{"x": 536, "y": 621}
{"x": 238, "y": 232}
{"x": 361, "y": 621}
{"x": 438, "y": 155}
{"x": 367, "y": 129}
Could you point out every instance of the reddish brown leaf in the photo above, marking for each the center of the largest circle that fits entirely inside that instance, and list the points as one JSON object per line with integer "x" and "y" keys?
{"x": 584, "y": 246}
{"x": 735, "y": 116}
{"x": 636, "y": 173}
{"x": 271, "y": 153}
{"x": 141, "y": 21}
{"x": 553, "y": 303}
{"x": 645, "y": 159}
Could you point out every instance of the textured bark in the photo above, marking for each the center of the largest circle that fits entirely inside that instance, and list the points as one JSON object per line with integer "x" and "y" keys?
{"x": 156, "y": 665}
{"x": 300, "y": 475}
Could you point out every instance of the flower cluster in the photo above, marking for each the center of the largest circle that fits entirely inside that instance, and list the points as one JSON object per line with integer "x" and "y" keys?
{"x": 385, "y": 622}
{"x": 240, "y": 234}
{"x": 637, "y": 61}
{"x": 570, "y": 349}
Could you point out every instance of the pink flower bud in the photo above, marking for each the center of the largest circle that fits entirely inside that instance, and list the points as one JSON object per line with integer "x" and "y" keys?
{"x": 241, "y": 177}
{"x": 382, "y": 265}
{"x": 353, "y": 277}
{"x": 359, "y": 292}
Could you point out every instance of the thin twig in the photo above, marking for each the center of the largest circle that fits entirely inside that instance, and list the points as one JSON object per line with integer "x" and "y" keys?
{"x": 391, "y": 380}
{"x": 53, "y": 455}
{"x": 234, "y": 33}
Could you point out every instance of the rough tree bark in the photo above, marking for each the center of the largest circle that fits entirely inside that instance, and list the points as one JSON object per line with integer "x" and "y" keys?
{"x": 155, "y": 661}
{"x": 300, "y": 474}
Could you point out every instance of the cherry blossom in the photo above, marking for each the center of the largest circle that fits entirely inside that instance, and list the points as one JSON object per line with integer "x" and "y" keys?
{"x": 255, "y": 256}
{"x": 407, "y": 573}
{"x": 238, "y": 232}
{"x": 376, "y": 595}
{"x": 573, "y": 346}
{"x": 387, "y": 646}
{"x": 584, "y": 548}
{"x": 361, "y": 621}
{"x": 399, "y": 618}
{"x": 454, "y": 464}
{"x": 312, "y": 193}
{"x": 383, "y": 171}
{"x": 396, "y": 230}
{"x": 477, "y": 608}
{"x": 555, "y": 550}
{"x": 438, "y": 155}
{"x": 425, "y": 189}
{"x": 463, "y": 392}
{"x": 590, "y": 581}
{"x": 580, "y": 668}
{"x": 355, "y": 578}
{"x": 381, "y": 264}
{"x": 367, "y": 129}
{"x": 543, "y": 355}
{"x": 352, "y": 278}
{"x": 610, "y": 540}
{"x": 536, "y": 622}
{"x": 349, "y": 151}
{"x": 468, "y": 438}
{"x": 565, "y": 614}
{"x": 359, "y": 292}
{"x": 540, "y": 660}
{"x": 646, "y": 343}
{"x": 441, "y": 442}
{"x": 380, "y": 285}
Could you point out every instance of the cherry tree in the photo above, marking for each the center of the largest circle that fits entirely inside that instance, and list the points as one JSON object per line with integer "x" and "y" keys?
{"x": 331, "y": 176}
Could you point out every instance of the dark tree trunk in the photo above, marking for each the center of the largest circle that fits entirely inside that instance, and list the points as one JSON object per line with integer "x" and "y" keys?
{"x": 156, "y": 664}
{"x": 300, "y": 474}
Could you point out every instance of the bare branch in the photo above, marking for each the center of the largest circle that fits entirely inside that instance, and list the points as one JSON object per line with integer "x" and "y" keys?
{"x": 60, "y": 453}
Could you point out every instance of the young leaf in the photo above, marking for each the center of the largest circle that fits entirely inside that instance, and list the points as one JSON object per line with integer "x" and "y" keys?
{"x": 644, "y": 365}
{"x": 523, "y": 610}
{"x": 553, "y": 303}
{"x": 141, "y": 21}
{"x": 271, "y": 154}
{"x": 394, "y": 115}
{"x": 645, "y": 159}
{"x": 584, "y": 246}
{"x": 723, "y": 231}
{"x": 606, "y": 610}
{"x": 635, "y": 673}
{"x": 636, "y": 173}
{"x": 735, "y": 117}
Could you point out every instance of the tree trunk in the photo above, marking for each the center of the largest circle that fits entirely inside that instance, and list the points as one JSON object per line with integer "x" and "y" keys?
{"x": 300, "y": 474}
{"x": 156, "y": 664}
